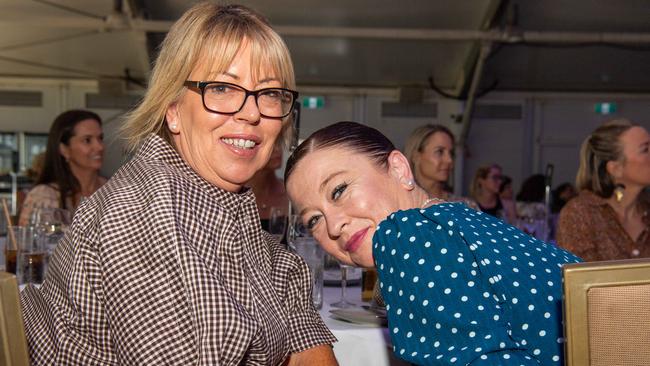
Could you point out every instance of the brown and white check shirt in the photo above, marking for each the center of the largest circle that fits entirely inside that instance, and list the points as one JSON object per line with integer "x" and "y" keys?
{"x": 162, "y": 268}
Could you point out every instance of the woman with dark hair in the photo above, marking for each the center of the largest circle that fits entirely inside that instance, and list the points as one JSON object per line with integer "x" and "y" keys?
{"x": 73, "y": 158}
{"x": 610, "y": 218}
{"x": 460, "y": 286}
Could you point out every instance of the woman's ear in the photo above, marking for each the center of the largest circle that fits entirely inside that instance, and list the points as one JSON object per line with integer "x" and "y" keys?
{"x": 173, "y": 118}
{"x": 64, "y": 151}
{"x": 614, "y": 168}
{"x": 400, "y": 169}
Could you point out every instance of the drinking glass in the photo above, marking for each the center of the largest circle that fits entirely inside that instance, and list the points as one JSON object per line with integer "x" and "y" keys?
{"x": 302, "y": 243}
{"x": 343, "y": 302}
{"x": 31, "y": 255}
{"x": 277, "y": 222}
{"x": 51, "y": 224}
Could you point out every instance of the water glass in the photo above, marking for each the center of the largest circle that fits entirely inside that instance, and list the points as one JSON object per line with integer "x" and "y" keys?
{"x": 31, "y": 255}
{"x": 301, "y": 241}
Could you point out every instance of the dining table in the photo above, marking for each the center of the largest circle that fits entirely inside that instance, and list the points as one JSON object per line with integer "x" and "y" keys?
{"x": 359, "y": 343}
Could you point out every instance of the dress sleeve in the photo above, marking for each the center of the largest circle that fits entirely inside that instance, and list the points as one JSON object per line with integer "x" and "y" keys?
{"x": 574, "y": 232}
{"x": 440, "y": 308}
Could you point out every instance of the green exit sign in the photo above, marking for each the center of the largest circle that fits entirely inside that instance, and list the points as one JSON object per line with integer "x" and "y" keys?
{"x": 605, "y": 108}
{"x": 313, "y": 102}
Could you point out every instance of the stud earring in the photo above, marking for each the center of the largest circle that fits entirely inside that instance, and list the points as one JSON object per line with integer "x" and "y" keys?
{"x": 410, "y": 183}
{"x": 619, "y": 191}
{"x": 173, "y": 126}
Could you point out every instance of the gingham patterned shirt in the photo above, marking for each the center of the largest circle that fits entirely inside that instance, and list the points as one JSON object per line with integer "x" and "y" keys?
{"x": 161, "y": 267}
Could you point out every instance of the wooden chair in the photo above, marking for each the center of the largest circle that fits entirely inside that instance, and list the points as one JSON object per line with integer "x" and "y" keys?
{"x": 13, "y": 345}
{"x": 607, "y": 313}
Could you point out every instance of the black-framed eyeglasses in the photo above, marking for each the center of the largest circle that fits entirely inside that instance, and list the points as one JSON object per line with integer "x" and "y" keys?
{"x": 228, "y": 98}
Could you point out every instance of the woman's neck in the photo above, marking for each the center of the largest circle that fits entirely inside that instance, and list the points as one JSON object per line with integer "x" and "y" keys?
{"x": 88, "y": 180}
{"x": 627, "y": 208}
{"x": 264, "y": 182}
{"x": 434, "y": 188}
{"x": 486, "y": 199}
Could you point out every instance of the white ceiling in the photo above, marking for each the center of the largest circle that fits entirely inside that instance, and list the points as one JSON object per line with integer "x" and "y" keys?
{"x": 353, "y": 43}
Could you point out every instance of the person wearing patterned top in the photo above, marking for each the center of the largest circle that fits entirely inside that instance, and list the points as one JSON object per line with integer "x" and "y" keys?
{"x": 610, "y": 218}
{"x": 460, "y": 286}
{"x": 73, "y": 158}
{"x": 166, "y": 264}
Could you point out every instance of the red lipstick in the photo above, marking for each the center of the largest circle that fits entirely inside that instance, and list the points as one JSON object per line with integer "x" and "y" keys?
{"x": 355, "y": 241}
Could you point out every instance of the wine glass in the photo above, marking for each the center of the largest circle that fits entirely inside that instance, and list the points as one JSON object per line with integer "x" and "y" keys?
{"x": 51, "y": 224}
{"x": 277, "y": 222}
{"x": 343, "y": 302}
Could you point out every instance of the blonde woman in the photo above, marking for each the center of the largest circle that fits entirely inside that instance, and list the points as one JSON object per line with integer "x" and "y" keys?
{"x": 485, "y": 191}
{"x": 430, "y": 152}
{"x": 610, "y": 218}
{"x": 167, "y": 263}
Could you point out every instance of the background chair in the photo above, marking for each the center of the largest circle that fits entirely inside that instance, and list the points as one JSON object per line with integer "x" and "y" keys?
{"x": 607, "y": 313}
{"x": 13, "y": 345}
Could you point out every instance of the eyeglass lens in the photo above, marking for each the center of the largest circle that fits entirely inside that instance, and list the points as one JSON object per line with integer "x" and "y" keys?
{"x": 227, "y": 98}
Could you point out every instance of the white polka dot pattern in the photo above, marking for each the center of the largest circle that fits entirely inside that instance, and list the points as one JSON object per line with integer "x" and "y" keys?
{"x": 486, "y": 286}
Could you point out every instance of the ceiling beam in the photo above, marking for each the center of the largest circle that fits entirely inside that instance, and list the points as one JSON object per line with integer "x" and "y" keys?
{"x": 441, "y": 35}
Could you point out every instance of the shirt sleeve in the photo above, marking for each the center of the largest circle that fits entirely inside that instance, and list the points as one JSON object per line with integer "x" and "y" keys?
{"x": 574, "y": 232}
{"x": 439, "y": 306}
{"x": 306, "y": 328}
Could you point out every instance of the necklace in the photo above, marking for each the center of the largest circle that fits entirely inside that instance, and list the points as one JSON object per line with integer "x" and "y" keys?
{"x": 434, "y": 200}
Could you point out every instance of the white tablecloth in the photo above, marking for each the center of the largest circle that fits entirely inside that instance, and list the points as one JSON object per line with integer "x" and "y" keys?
{"x": 358, "y": 345}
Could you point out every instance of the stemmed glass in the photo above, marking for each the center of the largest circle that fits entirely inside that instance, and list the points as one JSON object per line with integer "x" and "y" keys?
{"x": 51, "y": 224}
{"x": 277, "y": 222}
{"x": 343, "y": 302}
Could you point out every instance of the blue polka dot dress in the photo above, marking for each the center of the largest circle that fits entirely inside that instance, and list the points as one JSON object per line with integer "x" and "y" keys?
{"x": 464, "y": 288}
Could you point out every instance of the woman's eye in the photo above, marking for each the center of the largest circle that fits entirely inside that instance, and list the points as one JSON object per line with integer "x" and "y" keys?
{"x": 338, "y": 191}
{"x": 312, "y": 222}
{"x": 218, "y": 89}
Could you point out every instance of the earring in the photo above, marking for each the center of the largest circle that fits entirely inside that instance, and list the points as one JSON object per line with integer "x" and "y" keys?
{"x": 619, "y": 190}
{"x": 173, "y": 126}
{"x": 410, "y": 183}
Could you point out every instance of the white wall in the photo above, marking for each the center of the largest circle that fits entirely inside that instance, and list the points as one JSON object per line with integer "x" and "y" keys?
{"x": 550, "y": 130}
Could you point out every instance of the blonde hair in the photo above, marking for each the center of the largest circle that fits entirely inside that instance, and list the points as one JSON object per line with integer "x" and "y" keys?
{"x": 602, "y": 146}
{"x": 481, "y": 173}
{"x": 212, "y": 33}
{"x": 417, "y": 140}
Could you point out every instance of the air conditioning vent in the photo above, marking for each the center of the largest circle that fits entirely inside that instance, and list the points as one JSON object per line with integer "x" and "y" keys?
{"x": 424, "y": 110}
{"x": 15, "y": 98}
{"x": 497, "y": 111}
{"x": 105, "y": 101}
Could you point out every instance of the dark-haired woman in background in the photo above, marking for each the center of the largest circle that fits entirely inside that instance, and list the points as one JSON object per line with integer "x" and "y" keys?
{"x": 73, "y": 158}
{"x": 610, "y": 218}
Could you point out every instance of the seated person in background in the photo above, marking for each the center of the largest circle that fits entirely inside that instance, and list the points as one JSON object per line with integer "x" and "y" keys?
{"x": 561, "y": 195}
{"x": 530, "y": 199}
{"x": 610, "y": 218}
{"x": 460, "y": 286}
{"x": 505, "y": 189}
{"x": 167, "y": 264}
{"x": 430, "y": 151}
{"x": 269, "y": 191}
{"x": 73, "y": 158}
{"x": 485, "y": 191}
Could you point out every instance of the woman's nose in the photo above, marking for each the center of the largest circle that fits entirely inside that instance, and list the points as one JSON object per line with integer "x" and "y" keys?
{"x": 249, "y": 112}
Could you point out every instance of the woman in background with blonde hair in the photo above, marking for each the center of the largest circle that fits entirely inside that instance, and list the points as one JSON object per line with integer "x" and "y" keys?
{"x": 485, "y": 190}
{"x": 167, "y": 264}
{"x": 430, "y": 152}
{"x": 609, "y": 219}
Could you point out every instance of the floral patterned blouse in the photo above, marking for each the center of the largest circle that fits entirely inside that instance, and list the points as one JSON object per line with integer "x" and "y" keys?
{"x": 589, "y": 228}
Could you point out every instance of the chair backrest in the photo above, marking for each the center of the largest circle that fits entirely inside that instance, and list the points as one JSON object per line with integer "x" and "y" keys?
{"x": 607, "y": 313}
{"x": 13, "y": 345}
